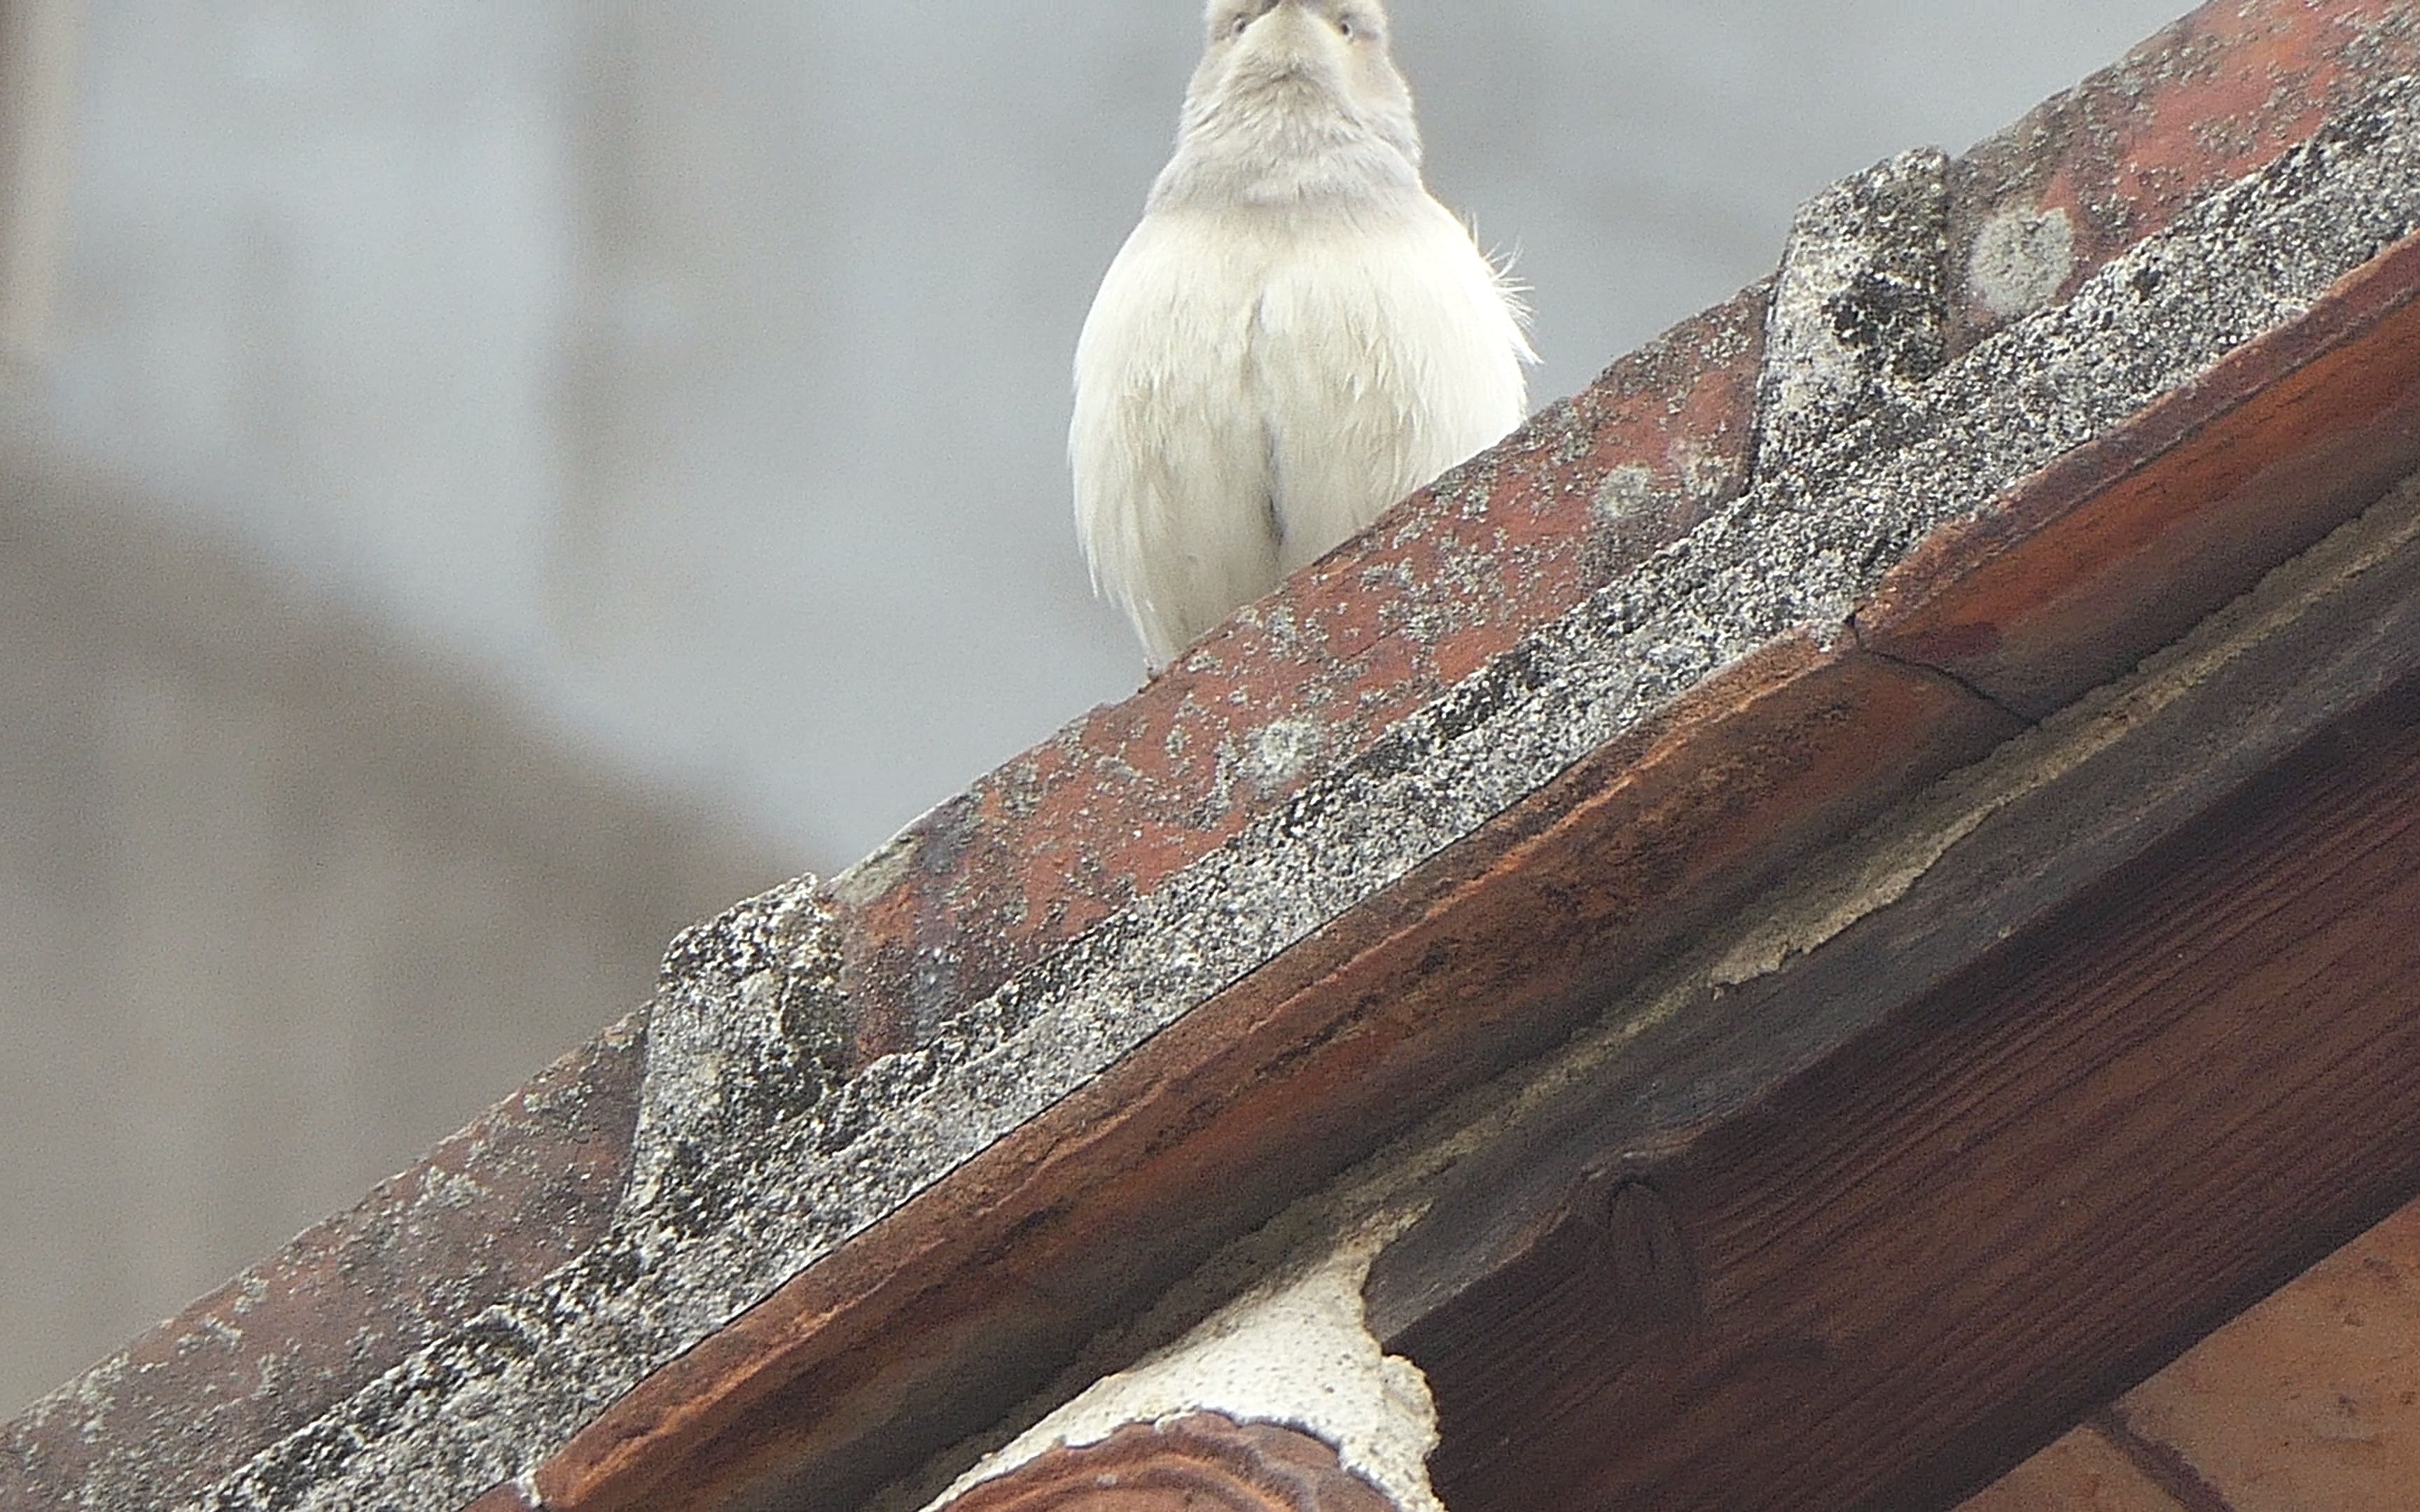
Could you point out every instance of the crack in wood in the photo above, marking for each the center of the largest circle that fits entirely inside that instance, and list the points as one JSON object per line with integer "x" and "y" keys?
{"x": 1955, "y": 678}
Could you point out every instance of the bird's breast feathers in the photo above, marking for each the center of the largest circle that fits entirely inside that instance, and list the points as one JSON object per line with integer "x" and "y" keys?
{"x": 1249, "y": 392}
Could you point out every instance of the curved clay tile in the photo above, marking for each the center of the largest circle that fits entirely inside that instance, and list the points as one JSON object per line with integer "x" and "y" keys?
{"x": 1201, "y": 1463}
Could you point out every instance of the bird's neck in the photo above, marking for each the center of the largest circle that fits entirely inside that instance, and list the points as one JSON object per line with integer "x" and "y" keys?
{"x": 1278, "y": 158}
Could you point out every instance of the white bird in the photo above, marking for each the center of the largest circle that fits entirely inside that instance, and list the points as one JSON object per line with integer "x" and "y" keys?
{"x": 1295, "y": 336}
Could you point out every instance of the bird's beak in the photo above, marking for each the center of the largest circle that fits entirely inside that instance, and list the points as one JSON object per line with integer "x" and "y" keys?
{"x": 1289, "y": 34}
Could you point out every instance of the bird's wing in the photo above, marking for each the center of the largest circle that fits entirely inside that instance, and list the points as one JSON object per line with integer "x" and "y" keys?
{"x": 1169, "y": 448}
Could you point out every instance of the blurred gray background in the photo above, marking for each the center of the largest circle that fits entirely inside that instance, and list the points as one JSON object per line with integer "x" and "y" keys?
{"x": 484, "y": 481}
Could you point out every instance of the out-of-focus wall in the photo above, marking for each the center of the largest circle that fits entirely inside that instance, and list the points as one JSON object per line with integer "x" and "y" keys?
{"x": 280, "y": 904}
{"x": 38, "y": 97}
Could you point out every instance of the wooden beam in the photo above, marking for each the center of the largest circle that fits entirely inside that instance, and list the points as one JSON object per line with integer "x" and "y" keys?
{"x": 2136, "y": 1048}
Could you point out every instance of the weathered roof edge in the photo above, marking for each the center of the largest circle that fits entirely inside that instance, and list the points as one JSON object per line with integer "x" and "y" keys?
{"x": 859, "y": 1094}
{"x": 1881, "y": 1179}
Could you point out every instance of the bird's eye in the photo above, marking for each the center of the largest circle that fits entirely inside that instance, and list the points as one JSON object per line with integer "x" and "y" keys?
{"x": 1348, "y": 27}
{"x": 1239, "y": 26}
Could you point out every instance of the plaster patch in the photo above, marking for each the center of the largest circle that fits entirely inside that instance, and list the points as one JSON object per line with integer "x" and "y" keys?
{"x": 1296, "y": 1350}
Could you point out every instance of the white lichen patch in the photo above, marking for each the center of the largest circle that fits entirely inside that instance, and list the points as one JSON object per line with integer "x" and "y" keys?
{"x": 451, "y": 1189}
{"x": 2023, "y": 257}
{"x": 1281, "y": 753}
{"x": 1296, "y": 1351}
{"x": 1627, "y": 491}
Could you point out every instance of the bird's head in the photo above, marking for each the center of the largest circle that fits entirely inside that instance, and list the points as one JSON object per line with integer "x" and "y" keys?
{"x": 1300, "y": 92}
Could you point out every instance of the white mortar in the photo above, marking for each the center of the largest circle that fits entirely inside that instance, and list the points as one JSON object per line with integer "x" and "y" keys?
{"x": 1296, "y": 1350}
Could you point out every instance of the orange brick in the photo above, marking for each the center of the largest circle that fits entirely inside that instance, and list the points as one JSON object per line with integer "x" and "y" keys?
{"x": 2310, "y": 1402}
{"x": 2081, "y": 1473}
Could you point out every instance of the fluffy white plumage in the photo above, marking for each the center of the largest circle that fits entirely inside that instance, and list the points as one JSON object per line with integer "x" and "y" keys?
{"x": 1295, "y": 336}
